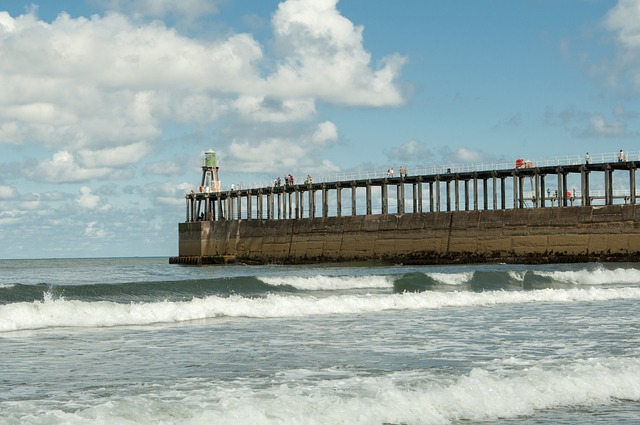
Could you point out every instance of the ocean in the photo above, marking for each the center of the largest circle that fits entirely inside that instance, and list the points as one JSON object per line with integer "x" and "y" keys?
{"x": 139, "y": 341}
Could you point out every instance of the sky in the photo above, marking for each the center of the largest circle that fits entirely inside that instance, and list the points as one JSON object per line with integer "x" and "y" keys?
{"x": 107, "y": 106}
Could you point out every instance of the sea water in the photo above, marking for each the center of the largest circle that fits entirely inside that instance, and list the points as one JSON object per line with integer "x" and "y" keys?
{"x": 139, "y": 341}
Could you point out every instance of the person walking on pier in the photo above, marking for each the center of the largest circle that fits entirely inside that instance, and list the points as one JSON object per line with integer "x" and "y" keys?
{"x": 621, "y": 156}
{"x": 587, "y": 158}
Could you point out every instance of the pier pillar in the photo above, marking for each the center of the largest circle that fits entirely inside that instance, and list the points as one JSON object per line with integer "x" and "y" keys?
{"x": 301, "y": 203}
{"x": 385, "y": 198}
{"x": 259, "y": 205}
{"x": 249, "y": 206}
{"x": 419, "y": 186}
{"x": 325, "y": 201}
{"x": 456, "y": 192}
{"x": 338, "y": 200}
{"x": 608, "y": 184}
{"x": 220, "y": 208}
{"x": 520, "y": 191}
{"x": 354, "y": 192}
{"x": 485, "y": 193}
{"x": 437, "y": 183}
{"x": 400, "y": 196}
{"x": 515, "y": 190}
{"x": 475, "y": 192}
{"x": 495, "y": 191}
{"x": 368, "y": 196}
{"x": 466, "y": 194}
{"x": 632, "y": 184}
{"x": 584, "y": 186}
{"x": 431, "y": 206}
{"x": 543, "y": 193}
{"x": 448, "y": 187}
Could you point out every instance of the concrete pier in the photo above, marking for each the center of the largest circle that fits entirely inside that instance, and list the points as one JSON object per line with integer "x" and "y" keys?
{"x": 447, "y": 217}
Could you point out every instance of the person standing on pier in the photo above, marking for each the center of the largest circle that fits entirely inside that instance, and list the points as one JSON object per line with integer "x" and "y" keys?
{"x": 587, "y": 158}
{"x": 621, "y": 157}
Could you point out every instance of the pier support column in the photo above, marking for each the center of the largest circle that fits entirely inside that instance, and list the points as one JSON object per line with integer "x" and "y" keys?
{"x": 301, "y": 203}
{"x": 368, "y": 196}
{"x": 437, "y": 183}
{"x": 466, "y": 194}
{"x": 520, "y": 191}
{"x": 354, "y": 193}
{"x": 485, "y": 193}
{"x": 338, "y": 200}
{"x": 259, "y": 205}
{"x": 608, "y": 184}
{"x": 385, "y": 198}
{"x": 475, "y": 192}
{"x": 584, "y": 186}
{"x": 431, "y": 206}
{"x": 419, "y": 185}
{"x": 503, "y": 193}
{"x": 448, "y": 187}
{"x": 312, "y": 203}
{"x": 249, "y": 205}
{"x": 515, "y": 190}
{"x": 456, "y": 192}
{"x": 400, "y": 197}
{"x": 495, "y": 191}
{"x": 220, "y": 208}
{"x": 543, "y": 192}
{"x": 325, "y": 201}
{"x": 632, "y": 184}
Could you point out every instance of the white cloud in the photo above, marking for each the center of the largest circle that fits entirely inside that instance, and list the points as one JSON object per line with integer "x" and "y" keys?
{"x": 7, "y": 192}
{"x": 87, "y": 200}
{"x": 324, "y": 57}
{"x": 93, "y": 230}
{"x": 97, "y": 92}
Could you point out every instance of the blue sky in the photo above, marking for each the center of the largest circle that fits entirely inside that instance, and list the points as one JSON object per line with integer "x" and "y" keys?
{"x": 108, "y": 105}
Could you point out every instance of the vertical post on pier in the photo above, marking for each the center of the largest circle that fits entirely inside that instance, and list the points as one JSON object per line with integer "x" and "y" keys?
{"x": 431, "y": 206}
{"x": 475, "y": 192}
{"x": 565, "y": 189}
{"x": 584, "y": 186}
{"x": 448, "y": 187}
{"x": 301, "y": 203}
{"x": 608, "y": 179}
{"x": 495, "y": 190}
{"x": 503, "y": 193}
{"x": 536, "y": 188}
{"x": 521, "y": 192}
{"x": 466, "y": 194}
{"x": 354, "y": 192}
{"x": 400, "y": 196}
{"x": 259, "y": 203}
{"x": 632, "y": 183}
{"x": 543, "y": 193}
{"x": 437, "y": 182}
{"x": 220, "y": 208}
{"x": 239, "y": 202}
{"x": 456, "y": 192}
{"x": 312, "y": 203}
{"x": 414, "y": 196}
{"x": 515, "y": 190}
{"x": 325, "y": 201}
{"x": 561, "y": 191}
{"x": 385, "y": 199}
{"x": 419, "y": 188}
{"x": 485, "y": 193}
{"x": 338, "y": 200}
{"x": 249, "y": 206}
{"x": 270, "y": 206}
{"x": 187, "y": 209}
{"x": 368, "y": 196}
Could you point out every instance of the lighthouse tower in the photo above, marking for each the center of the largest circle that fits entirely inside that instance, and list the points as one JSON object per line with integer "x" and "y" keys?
{"x": 210, "y": 181}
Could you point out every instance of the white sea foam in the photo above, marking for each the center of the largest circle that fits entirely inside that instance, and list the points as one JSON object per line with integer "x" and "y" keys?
{"x": 416, "y": 397}
{"x": 517, "y": 275}
{"x": 72, "y": 313}
{"x": 598, "y": 276}
{"x": 451, "y": 278}
{"x": 316, "y": 283}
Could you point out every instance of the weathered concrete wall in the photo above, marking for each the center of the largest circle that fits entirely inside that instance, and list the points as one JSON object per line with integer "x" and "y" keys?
{"x": 522, "y": 235}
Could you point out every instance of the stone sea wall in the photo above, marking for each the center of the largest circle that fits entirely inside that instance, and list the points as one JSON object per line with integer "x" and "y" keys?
{"x": 534, "y": 235}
